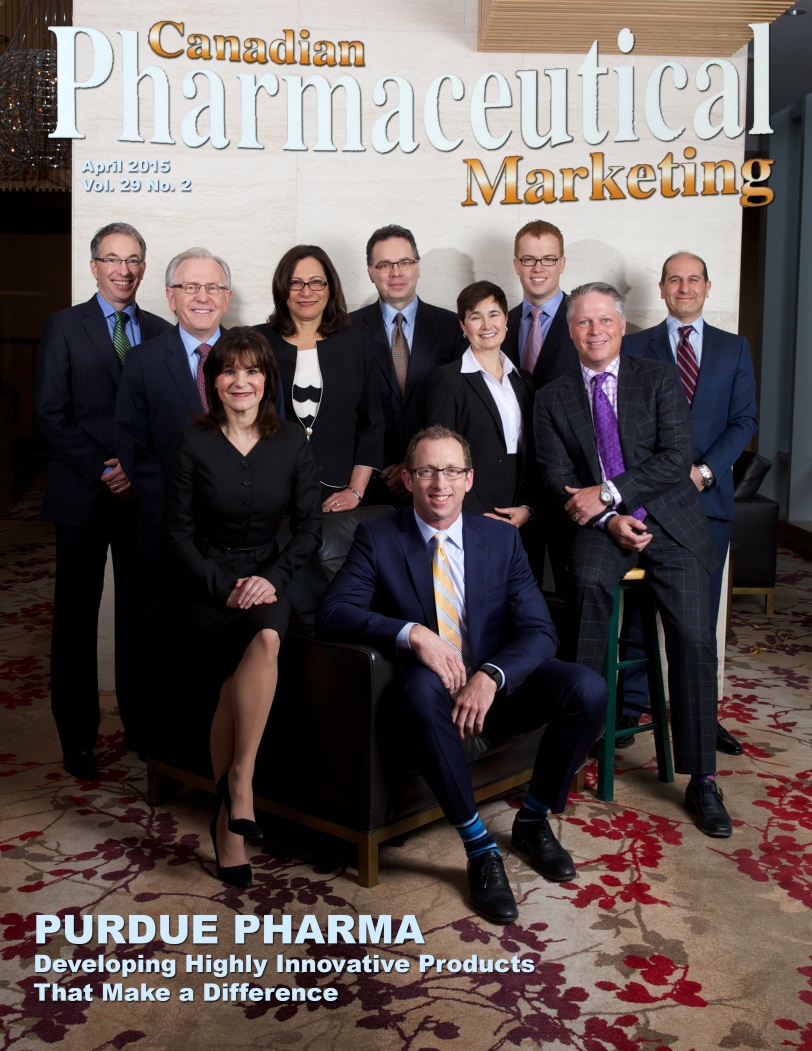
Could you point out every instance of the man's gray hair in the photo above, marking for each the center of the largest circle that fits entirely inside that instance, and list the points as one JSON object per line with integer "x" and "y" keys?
{"x": 116, "y": 228}
{"x": 195, "y": 253}
{"x": 602, "y": 289}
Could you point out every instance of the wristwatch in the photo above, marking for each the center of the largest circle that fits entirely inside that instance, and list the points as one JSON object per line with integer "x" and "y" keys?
{"x": 707, "y": 475}
{"x": 494, "y": 673}
{"x": 606, "y": 494}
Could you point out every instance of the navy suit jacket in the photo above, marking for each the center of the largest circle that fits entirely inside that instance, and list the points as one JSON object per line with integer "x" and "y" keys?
{"x": 77, "y": 379}
{"x": 437, "y": 340}
{"x": 723, "y": 410}
{"x": 386, "y": 582}
{"x": 654, "y": 425}
{"x": 558, "y": 354}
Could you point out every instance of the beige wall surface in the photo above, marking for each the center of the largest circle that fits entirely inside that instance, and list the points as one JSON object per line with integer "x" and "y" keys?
{"x": 250, "y": 205}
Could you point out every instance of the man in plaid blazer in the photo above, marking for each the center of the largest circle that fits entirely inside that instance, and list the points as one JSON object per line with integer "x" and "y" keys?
{"x": 614, "y": 442}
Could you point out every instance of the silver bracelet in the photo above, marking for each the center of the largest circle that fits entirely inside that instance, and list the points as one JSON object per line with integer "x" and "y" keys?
{"x": 355, "y": 493}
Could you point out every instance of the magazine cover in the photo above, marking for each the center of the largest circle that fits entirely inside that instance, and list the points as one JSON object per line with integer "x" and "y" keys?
{"x": 516, "y": 152}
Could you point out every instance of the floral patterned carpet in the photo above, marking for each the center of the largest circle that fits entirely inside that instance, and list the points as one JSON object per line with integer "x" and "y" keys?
{"x": 666, "y": 941}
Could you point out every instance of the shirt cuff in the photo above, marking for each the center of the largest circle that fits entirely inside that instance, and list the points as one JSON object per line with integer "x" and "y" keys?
{"x": 402, "y": 641}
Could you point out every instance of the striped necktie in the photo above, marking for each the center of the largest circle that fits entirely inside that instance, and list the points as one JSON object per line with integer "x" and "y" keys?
{"x": 686, "y": 362}
{"x": 120, "y": 341}
{"x": 445, "y": 597}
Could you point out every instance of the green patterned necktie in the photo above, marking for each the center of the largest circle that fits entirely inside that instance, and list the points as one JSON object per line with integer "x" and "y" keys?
{"x": 120, "y": 341}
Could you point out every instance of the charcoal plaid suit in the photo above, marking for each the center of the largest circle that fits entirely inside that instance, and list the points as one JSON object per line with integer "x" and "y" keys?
{"x": 655, "y": 434}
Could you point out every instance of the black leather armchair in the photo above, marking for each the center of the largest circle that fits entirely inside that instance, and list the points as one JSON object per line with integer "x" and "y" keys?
{"x": 754, "y": 532}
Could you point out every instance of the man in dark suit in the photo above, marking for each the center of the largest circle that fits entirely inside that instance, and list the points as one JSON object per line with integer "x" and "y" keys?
{"x": 721, "y": 391}
{"x": 406, "y": 350}
{"x": 613, "y": 441}
{"x": 538, "y": 340}
{"x": 450, "y": 597}
{"x": 88, "y": 495}
{"x": 162, "y": 384}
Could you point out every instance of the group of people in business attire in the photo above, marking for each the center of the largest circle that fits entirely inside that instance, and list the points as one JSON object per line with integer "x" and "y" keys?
{"x": 497, "y": 435}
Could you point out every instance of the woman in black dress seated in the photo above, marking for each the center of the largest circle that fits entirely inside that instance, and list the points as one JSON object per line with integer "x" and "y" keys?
{"x": 484, "y": 397}
{"x": 232, "y": 477}
{"x": 327, "y": 374}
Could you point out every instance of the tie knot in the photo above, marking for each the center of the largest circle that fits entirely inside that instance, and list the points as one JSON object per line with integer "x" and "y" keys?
{"x": 439, "y": 539}
{"x": 685, "y": 331}
{"x": 599, "y": 379}
{"x": 398, "y": 320}
{"x": 536, "y": 312}
{"x": 122, "y": 317}
{"x": 203, "y": 351}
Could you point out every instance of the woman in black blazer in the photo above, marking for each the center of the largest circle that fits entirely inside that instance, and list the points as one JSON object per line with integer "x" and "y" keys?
{"x": 232, "y": 477}
{"x": 484, "y": 397}
{"x": 327, "y": 374}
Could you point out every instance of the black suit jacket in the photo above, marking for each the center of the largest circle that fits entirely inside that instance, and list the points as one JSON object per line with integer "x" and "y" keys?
{"x": 386, "y": 582}
{"x": 463, "y": 402}
{"x": 723, "y": 409}
{"x": 656, "y": 437}
{"x": 558, "y": 354}
{"x": 348, "y": 429}
{"x": 77, "y": 380}
{"x": 438, "y": 339}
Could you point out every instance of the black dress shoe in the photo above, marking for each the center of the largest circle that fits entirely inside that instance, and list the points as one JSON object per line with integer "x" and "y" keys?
{"x": 548, "y": 857}
{"x": 82, "y": 765}
{"x": 235, "y": 875}
{"x": 704, "y": 802}
{"x": 240, "y": 826}
{"x": 625, "y": 722}
{"x": 488, "y": 889}
{"x": 726, "y": 742}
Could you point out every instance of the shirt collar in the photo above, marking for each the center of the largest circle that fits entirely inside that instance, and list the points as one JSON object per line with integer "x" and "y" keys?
{"x": 454, "y": 531}
{"x": 191, "y": 343}
{"x": 469, "y": 363}
{"x": 108, "y": 308}
{"x": 389, "y": 313}
{"x": 674, "y": 326}
{"x": 550, "y": 308}
{"x": 612, "y": 369}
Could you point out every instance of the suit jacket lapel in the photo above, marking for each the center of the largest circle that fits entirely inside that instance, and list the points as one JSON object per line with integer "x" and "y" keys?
{"x": 475, "y": 584}
{"x": 178, "y": 365}
{"x": 576, "y": 407}
{"x": 479, "y": 385}
{"x": 707, "y": 380}
{"x": 660, "y": 343}
{"x": 98, "y": 333}
{"x": 628, "y": 403}
{"x": 420, "y": 358}
{"x": 148, "y": 325}
{"x": 418, "y": 566}
{"x": 373, "y": 323}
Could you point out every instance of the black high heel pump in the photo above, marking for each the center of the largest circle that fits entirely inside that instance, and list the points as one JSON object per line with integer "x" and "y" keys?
{"x": 235, "y": 875}
{"x": 240, "y": 826}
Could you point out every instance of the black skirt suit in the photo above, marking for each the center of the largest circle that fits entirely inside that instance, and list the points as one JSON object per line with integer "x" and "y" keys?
{"x": 348, "y": 429}
{"x": 463, "y": 402}
{"x": 223, "y": 511}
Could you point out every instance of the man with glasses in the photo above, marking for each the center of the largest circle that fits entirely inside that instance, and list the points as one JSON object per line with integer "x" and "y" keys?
{"x": 538, "y": 338}
{"x": 410, "y": 339}
{"x": 450, "y": 598}
{"x": 162, "y": 385}
{"x": 88, "y": 495}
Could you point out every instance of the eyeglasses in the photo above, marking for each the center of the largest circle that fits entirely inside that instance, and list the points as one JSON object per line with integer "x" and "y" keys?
{"x": 133, "y": 263}
{"x": 546, "y": 260}
{"x": 386, "y": 265}
{"x": 316, "y": 283}
{"x": 430, "y": 473}
{"x": 191, "y": 288}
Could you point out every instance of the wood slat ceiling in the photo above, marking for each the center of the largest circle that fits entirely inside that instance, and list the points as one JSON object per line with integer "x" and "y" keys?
{"x": 687, "y": 27}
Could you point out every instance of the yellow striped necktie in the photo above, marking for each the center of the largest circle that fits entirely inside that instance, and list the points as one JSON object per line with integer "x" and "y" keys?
{"x": 445, "y": 597}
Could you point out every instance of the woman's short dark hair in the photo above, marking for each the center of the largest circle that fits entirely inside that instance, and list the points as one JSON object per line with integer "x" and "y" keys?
{"x": 473, "y": 294}
{"x": 242, "y": 346}
{"x": 335, "y": 313}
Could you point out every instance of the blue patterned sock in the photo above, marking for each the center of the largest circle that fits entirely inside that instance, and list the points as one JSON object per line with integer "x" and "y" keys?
{"x": 532, "y": 810}
{"x": 475, "y": 837}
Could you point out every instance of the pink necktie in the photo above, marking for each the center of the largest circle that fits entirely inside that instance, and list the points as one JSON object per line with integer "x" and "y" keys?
{"x": 686, "y": 362}
{"x": 532, "y": 346}
{"x": 202, "y": 353}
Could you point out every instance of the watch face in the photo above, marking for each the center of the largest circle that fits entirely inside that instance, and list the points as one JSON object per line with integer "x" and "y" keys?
{"x": 606, "y": 496}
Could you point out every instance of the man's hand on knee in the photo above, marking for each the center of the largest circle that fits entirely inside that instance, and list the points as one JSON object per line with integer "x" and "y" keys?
{"x": 472, "y": 703}
{"x": 437, "y": 655}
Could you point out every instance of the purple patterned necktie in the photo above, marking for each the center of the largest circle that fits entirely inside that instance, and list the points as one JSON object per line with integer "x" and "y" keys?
{"x": 607, "y": 437}
{"x": 532, "y": 345}
{"x": 202, "y": 353}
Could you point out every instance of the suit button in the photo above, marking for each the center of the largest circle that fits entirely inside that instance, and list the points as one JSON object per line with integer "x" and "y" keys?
{"x": 247, "y": 481}
{"x": 245, "y": 463}
{"x": 246, "y": 503}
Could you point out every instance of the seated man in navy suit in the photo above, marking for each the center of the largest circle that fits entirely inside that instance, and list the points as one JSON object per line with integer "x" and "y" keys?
{"x": 450, "y": 597}
{"x": 720, "y": 388}
{"x": 613, "y": 441}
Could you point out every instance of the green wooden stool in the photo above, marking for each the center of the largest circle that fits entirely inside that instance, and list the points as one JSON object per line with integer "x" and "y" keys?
{"x": 634, "y": 581}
